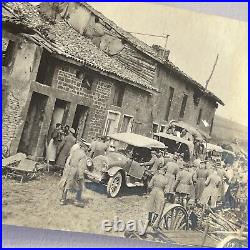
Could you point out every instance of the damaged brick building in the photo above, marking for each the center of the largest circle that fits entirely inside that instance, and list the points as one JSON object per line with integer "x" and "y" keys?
{"x": 67, "y": 63}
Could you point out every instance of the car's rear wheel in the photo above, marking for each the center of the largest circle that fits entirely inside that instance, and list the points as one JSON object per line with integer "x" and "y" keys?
{"x": 114, "y": 185}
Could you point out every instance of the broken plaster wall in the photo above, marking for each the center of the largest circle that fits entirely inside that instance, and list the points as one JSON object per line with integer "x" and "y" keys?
{"x": 16, "y": 82}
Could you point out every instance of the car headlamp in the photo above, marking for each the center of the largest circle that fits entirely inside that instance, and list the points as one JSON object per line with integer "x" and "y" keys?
{"x": 89, "y": 162}
{"x": 105, "y": 167}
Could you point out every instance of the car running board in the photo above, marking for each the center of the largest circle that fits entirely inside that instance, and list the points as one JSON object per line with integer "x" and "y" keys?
{"x": 135, "y": 184}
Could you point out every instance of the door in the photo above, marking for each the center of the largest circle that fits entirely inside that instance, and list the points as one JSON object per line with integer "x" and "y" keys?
{"x": 33, "y": 124}
{"x": 80, "y": 118}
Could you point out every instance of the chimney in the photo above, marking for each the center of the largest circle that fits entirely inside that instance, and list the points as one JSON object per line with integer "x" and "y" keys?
{"x": 163, "y": 53}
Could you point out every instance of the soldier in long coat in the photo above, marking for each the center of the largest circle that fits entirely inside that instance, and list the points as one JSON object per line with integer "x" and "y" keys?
{"x": 183, "y": 184}
{"x": 199, "y": 178}
{"x": 211, "y": 190}
{"x": 172, "y": 169}
{"x": 69, "y": 141}
{"x": 224, "y": 179}
{"x": 156, "y": 199}
{"x": 73, "y": 174}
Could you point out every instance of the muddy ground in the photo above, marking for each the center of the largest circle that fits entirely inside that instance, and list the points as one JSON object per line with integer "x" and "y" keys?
{"x": 36, "y": 204}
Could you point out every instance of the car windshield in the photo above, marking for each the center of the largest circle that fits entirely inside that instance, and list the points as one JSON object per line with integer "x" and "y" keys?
{"x": 138, "y": 154}
{"x": 141, "y": 154}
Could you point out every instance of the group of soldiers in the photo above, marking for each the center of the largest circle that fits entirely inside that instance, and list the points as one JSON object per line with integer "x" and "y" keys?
{"x": 201, "y": 183}
{"x": 65, "y": 153}
{"x": 204, "y": 184}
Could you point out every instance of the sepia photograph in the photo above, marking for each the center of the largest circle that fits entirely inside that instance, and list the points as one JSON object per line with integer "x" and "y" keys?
{"x": 125, "y": 119}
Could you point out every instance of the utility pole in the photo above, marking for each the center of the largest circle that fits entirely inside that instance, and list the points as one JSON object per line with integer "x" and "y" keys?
{"x": 209, "y": 78}
{"x": 165, "y": 47}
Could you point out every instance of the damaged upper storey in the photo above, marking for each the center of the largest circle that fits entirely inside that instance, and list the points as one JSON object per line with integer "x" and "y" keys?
{"x": 151, "y": 52}
{"x": 100, "y": 43}
{"x": 58, "y": 37}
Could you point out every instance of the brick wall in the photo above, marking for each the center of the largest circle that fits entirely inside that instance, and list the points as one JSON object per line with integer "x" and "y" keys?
{"x": 98, "y": 96}
{"x": 136, "y": 103}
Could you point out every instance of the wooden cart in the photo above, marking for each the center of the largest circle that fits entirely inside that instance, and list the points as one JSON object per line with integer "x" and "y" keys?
{"x": 174, "y": 229}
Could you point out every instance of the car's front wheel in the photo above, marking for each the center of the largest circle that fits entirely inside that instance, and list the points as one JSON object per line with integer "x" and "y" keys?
{"x": 114, "y": 185}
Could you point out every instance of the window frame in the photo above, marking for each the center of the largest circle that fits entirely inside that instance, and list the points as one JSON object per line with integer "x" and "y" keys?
{"x": 183, "y": 105}
{"x": 130, "y": 122}
{"x": 120, "y": 96}
{"x": 169, "y": 103}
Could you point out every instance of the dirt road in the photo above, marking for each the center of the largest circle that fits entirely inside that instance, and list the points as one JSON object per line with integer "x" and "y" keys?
{"x": 36, "y": 204}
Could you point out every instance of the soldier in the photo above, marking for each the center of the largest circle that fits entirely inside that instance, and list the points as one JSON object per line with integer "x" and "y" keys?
{"x": 224, "y": 179}
{"x": 156, "y": 199}
{"x": 183, "y": 184}
{"x": 153, "y": 164}
{"x": 93, "y": 142}
{"x": 73, "y": 174}
{"x": 161, "y": 159}
{"x": 99, "y": 148}
{"x": 199, "y": 178}
{"x": 171, "y": 169}
{"x": 69, "y": 141}
{"x": 166, "y": 156}
{"x": 211, "y": 190}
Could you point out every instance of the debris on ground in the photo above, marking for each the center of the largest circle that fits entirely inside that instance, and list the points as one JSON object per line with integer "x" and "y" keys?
{"x": 13, "y": 159}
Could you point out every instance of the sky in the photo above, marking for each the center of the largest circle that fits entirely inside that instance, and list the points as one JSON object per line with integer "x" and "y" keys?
{"x": 195, "y": 40}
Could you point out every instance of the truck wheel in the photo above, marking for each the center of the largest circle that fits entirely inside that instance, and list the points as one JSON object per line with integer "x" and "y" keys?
{"x": 114, "y": 185}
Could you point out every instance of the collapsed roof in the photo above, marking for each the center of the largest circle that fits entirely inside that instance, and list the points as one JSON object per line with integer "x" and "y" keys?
{"x": 62, "y": 39}
{"x": 152, "y": 53}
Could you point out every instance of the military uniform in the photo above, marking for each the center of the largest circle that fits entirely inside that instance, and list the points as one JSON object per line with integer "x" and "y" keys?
{"x": 199, "y": 178}
{"x": 69, "y": 141}
{"x": 73, "y": 174}
{"x": 99, "y": 148}
{"x": 184, "y": 182}
{"x": 211, "y": 190}
{"x": 172, "y": 169}
{"x": 223, "y": 175}
{"x": 156, "y": 198}
{"x": 154, "y": 164}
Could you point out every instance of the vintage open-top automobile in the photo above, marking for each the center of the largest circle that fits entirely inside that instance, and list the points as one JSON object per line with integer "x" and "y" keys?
{"x": 176, "y": 144}
{"x": 122, "y": 167}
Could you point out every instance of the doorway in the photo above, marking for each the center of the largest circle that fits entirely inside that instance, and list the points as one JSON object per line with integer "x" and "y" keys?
{"x": 79, "y": 122}
{"x": 127, "y": 124}
{"x": 60, "y": 114}
{"x": 33, "y": 124}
